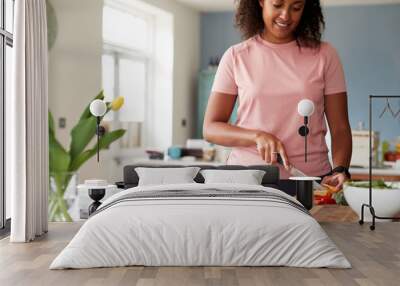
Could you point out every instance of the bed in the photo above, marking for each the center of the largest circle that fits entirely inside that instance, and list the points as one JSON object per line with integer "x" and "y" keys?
{"x": 198, "y": 224}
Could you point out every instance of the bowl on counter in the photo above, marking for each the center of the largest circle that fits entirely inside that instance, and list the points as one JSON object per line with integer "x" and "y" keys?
{"x": 386, "y": 202}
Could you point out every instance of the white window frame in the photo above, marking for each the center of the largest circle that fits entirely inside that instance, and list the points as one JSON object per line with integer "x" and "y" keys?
{"x": 6, "y": 39}
{"x": 117, "y": 56}
{"x": 159, "y": 112}
{"x": 148, "y": 57}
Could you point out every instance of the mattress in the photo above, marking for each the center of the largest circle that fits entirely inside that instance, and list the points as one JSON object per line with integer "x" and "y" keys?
{"x": 201, "y": 225}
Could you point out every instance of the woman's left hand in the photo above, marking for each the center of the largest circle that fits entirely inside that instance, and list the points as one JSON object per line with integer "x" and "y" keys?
{"x": 335, "y": 180}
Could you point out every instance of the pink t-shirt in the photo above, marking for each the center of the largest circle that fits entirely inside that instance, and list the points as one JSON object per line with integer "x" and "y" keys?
{"x": 270, "y": 79}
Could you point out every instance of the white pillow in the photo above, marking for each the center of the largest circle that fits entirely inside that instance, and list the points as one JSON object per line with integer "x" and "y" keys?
{"x": 163, "y": 176}
{"x": 248, "y": 177}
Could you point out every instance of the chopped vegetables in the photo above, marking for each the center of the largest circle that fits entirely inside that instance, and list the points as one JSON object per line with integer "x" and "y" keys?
{"x": 324, "y": 197}
{"x": 329, "y": 195}
{"x": 331, "y": 189}
{"x": 340, "y": 199}
{"x": 324, "y": 200}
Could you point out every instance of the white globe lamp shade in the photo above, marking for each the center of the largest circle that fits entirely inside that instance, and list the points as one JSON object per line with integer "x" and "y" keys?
{"x": 305, "y": 107}
{"x": 98, "y": 107}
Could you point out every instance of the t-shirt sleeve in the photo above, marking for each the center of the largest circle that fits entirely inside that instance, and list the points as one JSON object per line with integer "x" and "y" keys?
{"x": 334, "y": 75}
{"x": 224, "y": 80}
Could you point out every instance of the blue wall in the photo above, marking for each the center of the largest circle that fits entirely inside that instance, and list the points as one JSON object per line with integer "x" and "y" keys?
{"x": 368, "y": 41}
{"x": 217, "y": 34}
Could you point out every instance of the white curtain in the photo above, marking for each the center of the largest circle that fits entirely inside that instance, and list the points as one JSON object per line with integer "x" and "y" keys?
{"x": 27, "y": 122}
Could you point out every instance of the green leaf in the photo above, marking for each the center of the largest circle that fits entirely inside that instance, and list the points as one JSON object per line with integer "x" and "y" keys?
{"x": 86, "y": 113}
{"x": 84, "y": 130}
{"x": 59, "y": 158}
{"x": 339, "y": 198}
{"x": 104, "y": 143}
{"x": 51, "y": 124}
{"x": 375, "y": 184}
{"x": 81, "y": 135}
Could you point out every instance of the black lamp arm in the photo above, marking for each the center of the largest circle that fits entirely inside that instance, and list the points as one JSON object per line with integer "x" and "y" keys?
{"x": 303, "y": 131}
{"x": 100, "y": 131}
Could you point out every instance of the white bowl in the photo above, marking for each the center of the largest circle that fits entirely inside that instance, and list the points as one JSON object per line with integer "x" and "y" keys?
{"x": 386, "y": 202}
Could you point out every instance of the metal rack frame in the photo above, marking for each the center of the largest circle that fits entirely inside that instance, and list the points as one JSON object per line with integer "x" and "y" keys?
{"x": 370, "y": 206}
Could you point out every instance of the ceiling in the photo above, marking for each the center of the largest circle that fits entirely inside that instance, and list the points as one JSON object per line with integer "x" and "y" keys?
{"x": 228, "y": 5}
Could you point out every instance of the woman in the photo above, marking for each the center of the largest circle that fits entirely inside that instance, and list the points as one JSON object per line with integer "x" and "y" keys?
{"x": 281, "y": 62}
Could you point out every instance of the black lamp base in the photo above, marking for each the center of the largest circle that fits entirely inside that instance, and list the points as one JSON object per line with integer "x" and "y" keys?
{"x": 303, "y": 131}
{"x": 96, "y": 195}
{"x": 305, "y": 194}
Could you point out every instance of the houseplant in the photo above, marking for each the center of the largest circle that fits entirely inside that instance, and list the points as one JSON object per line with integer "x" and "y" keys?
{"x": 64, "y": 163}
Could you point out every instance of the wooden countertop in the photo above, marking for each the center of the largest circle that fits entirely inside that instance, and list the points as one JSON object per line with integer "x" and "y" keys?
{"x": 387, "y": 174}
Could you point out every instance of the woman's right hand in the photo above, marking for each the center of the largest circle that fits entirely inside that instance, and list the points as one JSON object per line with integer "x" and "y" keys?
{"x": 269, "y": 147}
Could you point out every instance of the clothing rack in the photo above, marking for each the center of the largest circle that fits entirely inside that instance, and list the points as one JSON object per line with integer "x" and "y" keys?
{"x": 394, "y": 115}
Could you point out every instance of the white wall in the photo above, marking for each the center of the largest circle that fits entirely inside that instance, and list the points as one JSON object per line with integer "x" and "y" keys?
{"x": 75, "y": 67}
{"x": 228, "y": 5}
{"x": 186, "y": 65}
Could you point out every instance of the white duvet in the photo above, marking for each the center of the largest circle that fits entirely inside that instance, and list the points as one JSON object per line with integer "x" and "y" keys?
{"x": 200, "y": 231}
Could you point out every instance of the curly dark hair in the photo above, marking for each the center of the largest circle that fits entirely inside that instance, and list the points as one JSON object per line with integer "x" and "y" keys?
{"x": 249, "y": 20}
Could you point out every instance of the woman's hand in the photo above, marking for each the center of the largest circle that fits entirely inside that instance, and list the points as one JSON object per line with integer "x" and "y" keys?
{"x": 269, "y": 147}
{"x": 335, "y": 180}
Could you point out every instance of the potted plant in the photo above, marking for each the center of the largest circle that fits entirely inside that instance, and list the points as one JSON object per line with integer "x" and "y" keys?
{"x": 64, "y": 164}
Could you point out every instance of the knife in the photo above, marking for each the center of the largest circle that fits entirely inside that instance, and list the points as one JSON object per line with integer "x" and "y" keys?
{"x": 297, "y": 173}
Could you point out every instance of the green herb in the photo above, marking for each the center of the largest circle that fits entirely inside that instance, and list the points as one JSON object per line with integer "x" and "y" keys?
{"x": 339, "y": 198}
{"x": 377, "y": 184}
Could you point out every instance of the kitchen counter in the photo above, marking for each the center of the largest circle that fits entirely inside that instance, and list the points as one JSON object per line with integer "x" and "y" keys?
{"x": 359, "y": 174}
{"x": 387, "y": 174}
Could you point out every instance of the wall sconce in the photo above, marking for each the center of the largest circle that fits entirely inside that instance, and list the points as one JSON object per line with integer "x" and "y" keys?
{"x": 98, "y": 108}
{"x": 305, "y": 108}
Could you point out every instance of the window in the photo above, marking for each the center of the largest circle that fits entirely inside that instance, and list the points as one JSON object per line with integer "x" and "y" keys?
{"x": 6, "y": 44}
{"x": 138, "y": 63}
{"x": 126, "y": 64}
{"x": 126, "y": 28}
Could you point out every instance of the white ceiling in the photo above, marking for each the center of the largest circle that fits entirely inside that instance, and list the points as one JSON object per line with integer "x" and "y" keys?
{"x": 228, "y": 5}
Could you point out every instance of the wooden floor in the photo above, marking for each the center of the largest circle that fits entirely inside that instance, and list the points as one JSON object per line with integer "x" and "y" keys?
{"x": 375, "y": 257}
